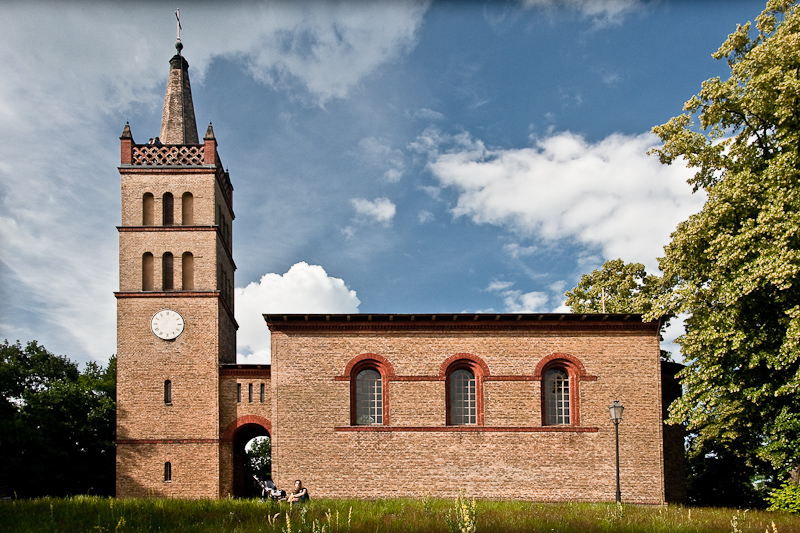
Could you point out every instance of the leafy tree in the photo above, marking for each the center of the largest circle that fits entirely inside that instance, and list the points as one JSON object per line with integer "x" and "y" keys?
{"x": 57, "y": 424}
{"x": 734, "y": 268}
{"x": 259, "y": 457}
{"x": 617, "y": 287}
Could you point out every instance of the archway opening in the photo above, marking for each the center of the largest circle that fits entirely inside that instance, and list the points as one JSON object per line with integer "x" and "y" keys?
{"x": 251, "y": 457}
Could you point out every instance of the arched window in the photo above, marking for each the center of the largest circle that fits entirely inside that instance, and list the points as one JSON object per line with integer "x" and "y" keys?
{"x": 462, "y": 398}
{"x": 167, "y": 280}
{"x": 464, "y": 374}
{"x": 187, "y": 271}
{"x": 187, "y": 209}
{"x": 167, "y": 471}
{"x": 556, "y": 397}
{"x": 561, "y": 375}
{"x": 147, "y": 271}
{"x": 147, "y": 209}
{"x": 168, "y": 208}
{"x": 168, "y": 392}
{"x": 369, "y": 397}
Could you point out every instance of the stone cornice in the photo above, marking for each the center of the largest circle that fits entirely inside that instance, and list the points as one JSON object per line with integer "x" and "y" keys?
{"x": 180, "y": 294}
{"x": 628, "y": 323}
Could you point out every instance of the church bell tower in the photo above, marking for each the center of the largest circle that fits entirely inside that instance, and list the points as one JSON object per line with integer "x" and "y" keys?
{"x": 175, "y": 322}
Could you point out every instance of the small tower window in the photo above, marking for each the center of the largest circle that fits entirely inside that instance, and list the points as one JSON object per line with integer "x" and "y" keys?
{"x": 167, "y": 279}
{"x": 239, "y": 392}
{"x": 187, "y": 209}
{"x": 262, "y": 393}
{"x": 168, "y": 392}
{"x": 147, "y": 209}
{"x": 250, "y": 393}
{"x": 168, "y": 206}
{"x": 187, "y": 271}
{"x": 167, "y": 471}
{"x": 147, "y": 271}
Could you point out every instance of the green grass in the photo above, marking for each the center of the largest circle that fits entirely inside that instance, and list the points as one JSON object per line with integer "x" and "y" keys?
{"x": 94, "y": 514}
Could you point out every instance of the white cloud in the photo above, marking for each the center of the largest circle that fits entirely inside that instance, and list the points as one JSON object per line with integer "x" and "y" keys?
{"x": 425, "y": 114}
{"x": 528, "y": 302}
{"x": 496, "y": 286}
{"x": 303, "y": 289}
{"x": 515, "y": 250}
{"x": 379, "y": 154}
{"x": 328, "y": 48}
{"x": 601, "y": 12}
{"x": 609, "y": 194}
{"x": 381, "y": 209}
{"x": 425, "y": 217}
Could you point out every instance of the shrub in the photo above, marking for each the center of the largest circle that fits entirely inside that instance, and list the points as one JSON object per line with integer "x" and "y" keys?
{"x": 786, "y": 498}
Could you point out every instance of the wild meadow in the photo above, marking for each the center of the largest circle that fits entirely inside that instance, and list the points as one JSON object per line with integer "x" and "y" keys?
{"x": 100, "y": 515}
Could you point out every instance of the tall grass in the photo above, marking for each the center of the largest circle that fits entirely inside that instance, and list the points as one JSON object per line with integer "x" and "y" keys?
{"x": 105, "y": 515}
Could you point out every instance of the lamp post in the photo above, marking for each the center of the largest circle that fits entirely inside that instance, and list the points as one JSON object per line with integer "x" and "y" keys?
{"x": 615, "y": 410}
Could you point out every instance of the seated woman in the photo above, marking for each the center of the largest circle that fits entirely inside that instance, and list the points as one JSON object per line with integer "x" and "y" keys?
{"x": 299, "y": 494}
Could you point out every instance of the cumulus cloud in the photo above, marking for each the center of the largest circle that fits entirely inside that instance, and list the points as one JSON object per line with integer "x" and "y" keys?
{"x": 517, "y": 301}
{"x": 608, "y": 194}
{"x": 381, "y": 210}
{"x": 303, "y": 289}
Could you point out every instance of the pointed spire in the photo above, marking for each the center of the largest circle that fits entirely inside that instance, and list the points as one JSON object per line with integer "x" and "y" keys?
{"x": 209, "y": 134}
{"x": 178, "y": 125}
{"x": 126, "y": 132}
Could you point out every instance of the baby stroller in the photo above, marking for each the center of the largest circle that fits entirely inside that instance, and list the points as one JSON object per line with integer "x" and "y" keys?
{"x": 270, "y": 490}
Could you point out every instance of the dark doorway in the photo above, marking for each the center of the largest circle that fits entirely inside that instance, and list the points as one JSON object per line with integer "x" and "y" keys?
{"x": 244, "y": 486}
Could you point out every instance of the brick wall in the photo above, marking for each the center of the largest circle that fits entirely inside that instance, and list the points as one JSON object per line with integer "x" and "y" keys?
{"x": 512, "y": 455}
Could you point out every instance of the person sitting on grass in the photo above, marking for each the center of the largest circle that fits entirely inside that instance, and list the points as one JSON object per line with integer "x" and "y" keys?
{"x": 299, "y": 494}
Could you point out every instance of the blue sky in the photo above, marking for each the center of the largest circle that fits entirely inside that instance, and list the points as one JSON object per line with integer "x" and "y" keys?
{"x": 388, "y": 157}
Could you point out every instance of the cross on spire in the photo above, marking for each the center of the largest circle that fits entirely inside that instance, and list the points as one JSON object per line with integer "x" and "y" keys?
{"x": 178, "y": 16}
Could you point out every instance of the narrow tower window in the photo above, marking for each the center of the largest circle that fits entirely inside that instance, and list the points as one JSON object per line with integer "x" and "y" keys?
{"x": 168, "y": 392}
{"x": 187, "y": 209}
{"x": 250, "y": 393}
{"x": 147, "y": 271}
{"x": 187, "y": 274}
{"x": 168, "y": 206}
{"x": 239, "y": 392}
{"x": 262, "y": 393}
{"x": 167, "y": 471}
{"x": 168, "y": 282}
{"x": 147, "y": 209}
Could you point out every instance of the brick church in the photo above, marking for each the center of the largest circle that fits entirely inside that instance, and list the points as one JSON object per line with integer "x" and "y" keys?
{"x": 359, "y": 405}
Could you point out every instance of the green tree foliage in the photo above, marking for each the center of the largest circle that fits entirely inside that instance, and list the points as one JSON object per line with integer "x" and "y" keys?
{"x": 617, "y": 287}
{"x": 57, "y": 425}
{"x": 734, "y": 268}
{"x": 786, "y": 498}
{"x": 259, "y": 457}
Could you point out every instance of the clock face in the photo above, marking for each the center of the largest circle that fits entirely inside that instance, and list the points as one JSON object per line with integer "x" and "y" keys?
{"x": 167, "y": 324}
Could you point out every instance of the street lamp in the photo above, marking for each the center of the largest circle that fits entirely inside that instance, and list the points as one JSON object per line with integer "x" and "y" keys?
{"x": 615, "y": 410}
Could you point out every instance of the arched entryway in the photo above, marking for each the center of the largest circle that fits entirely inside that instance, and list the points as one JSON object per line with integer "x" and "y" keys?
{"x": 239, "y": 434}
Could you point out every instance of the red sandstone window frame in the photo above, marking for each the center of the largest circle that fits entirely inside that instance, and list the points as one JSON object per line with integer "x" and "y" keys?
{"x": 384, "y": 368}
{"x": 576, "y": 373}
{"x": 479, "y": 369}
